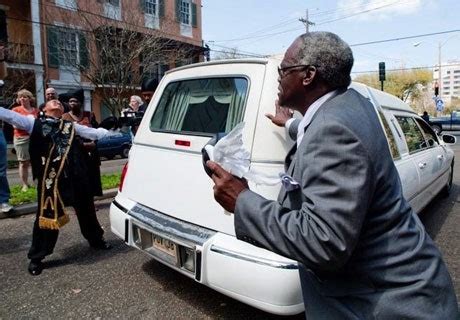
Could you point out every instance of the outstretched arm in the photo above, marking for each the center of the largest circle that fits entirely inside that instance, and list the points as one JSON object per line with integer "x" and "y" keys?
{"x": 18, "y": 120}
{"x": 91, "y": 133}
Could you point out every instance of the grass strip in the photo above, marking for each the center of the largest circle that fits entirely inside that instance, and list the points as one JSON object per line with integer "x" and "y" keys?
{"x": 109, "y": 181}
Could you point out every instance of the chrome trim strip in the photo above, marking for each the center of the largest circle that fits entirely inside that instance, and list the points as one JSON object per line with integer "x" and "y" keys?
{"x": 263, "y": 161}
{"x": 167, "y": 148}
{"x": 257, "y": 260}
{"x": 172, "y": 228}
{"x": 119, "y": 206}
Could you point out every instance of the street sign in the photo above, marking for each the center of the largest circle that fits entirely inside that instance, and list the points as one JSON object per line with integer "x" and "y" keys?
{"x": 439, "y": 104}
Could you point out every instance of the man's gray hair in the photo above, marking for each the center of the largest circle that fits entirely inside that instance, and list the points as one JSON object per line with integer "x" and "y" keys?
{"x": 331, "y": 56}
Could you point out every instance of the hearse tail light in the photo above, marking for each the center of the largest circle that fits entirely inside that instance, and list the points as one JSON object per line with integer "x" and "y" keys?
{"x": 183, "y": 143}
{"x": 123, "y": 175}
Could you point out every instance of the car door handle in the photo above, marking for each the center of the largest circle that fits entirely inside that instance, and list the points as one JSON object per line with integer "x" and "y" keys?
{"x": 440, "y": 157}
{"x": 422, "y": 165}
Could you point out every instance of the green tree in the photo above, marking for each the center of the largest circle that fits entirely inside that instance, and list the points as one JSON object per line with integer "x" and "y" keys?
{"x": 411, "y": 86}
{"x": 408, "y": 85}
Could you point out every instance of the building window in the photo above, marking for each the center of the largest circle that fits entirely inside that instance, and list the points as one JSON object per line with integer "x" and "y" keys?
{"x": 151, "y": 7}
{"x": 456, "y": 71}
{"x": 68, "y": 48}
{"x": 185, "y": 12}
{"x": 448, "y": 71}
{"x": 112, "y": 9}
{"x": 67, "y": 4}
{"x": 115, "y": 3}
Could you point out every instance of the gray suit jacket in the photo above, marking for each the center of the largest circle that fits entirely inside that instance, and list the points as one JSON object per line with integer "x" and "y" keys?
{"x": 362, "y": 252}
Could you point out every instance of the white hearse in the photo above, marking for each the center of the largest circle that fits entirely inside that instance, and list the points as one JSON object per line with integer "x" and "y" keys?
{"x": 165, "y": 205}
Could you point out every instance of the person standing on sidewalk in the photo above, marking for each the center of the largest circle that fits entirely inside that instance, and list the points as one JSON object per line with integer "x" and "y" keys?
{"x": 5, "y": 207}
{"x": 91, "y": 153}
{"x": 22, "y": 138}
{"x": 62, "y": 179}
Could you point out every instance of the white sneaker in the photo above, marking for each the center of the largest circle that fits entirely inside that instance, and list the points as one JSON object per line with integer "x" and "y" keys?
{"x": 6, "y": 207}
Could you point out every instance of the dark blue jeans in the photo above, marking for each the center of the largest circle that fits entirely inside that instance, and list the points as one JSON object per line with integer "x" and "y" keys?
{"x": 4, "y": 187}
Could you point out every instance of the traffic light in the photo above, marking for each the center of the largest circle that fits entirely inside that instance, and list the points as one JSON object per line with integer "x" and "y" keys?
{"x": 382, "y": 71}
{"x": 436, "y": 89}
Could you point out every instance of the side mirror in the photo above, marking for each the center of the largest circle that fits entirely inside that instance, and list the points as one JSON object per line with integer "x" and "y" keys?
{"x": 449, "y": 139}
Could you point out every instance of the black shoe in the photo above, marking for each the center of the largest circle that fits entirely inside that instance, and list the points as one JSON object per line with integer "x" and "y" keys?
{"x": 35, "y": 267}
{"x": 100, "y": 245}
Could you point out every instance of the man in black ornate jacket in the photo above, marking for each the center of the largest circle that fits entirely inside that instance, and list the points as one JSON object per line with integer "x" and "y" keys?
{"x": 57, "y": 162}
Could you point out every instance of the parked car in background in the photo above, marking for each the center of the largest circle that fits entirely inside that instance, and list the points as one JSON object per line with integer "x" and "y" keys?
{"x": 165, "y": 205}
{"x": 117, "y": 144}
{"x": 446, "y": 123}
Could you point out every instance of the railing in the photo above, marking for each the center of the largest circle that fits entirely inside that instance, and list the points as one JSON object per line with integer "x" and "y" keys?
{"x": 20, "y": 53}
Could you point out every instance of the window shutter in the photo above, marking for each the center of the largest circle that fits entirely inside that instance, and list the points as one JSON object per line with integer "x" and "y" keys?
{"x": 83, "y": 50}
{"x": 178, "y": 2}
{"x": 194, "y": 18}
{"x": 53, "y": 50}
{"x": 161, "y": 8}
{"x": 142, "y": 5}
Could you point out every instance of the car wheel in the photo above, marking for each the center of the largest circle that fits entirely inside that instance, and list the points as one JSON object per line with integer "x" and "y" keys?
{"x": 125, "y": 152}
{"x": 445, "y": 192}
{"x": 436, "y": 128}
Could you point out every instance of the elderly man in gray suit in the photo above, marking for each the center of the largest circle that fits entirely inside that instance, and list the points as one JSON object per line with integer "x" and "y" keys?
{"x": 362, "y": 252}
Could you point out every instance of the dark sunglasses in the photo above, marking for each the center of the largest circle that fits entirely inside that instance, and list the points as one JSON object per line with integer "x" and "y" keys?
{"x": 284, "y": 71}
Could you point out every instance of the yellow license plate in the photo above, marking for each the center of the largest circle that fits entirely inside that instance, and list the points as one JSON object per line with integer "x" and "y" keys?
{"x": 164, "y": 245}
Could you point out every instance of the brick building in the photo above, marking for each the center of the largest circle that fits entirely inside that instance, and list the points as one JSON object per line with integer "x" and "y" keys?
{"x": 58, "y": 43}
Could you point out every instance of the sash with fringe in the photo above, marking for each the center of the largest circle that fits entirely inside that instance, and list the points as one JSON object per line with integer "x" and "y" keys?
{"x": 52, "y": 210}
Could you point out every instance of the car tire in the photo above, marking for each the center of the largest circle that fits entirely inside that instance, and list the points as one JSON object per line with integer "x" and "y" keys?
{"x": 436, "y": 128}
{"x": 125, "y": 152}
{"x": 445, "y": 192}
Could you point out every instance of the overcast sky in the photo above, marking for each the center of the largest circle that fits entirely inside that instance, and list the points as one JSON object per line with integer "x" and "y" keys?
{"x": 269, "y": 26}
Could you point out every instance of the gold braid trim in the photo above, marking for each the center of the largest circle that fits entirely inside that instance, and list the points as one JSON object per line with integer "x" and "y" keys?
{"x": 56, "y": 202}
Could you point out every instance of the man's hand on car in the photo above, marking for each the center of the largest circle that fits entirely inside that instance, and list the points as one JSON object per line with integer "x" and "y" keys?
{"x": 227, "y": 187}
{"x": 282, "y": 114}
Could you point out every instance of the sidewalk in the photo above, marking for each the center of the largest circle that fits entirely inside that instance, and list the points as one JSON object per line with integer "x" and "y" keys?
{"x": 29, "y": 208}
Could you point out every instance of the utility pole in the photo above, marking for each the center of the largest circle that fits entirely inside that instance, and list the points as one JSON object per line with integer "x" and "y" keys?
{"x": 306, "y": 22}
{"x": 439, "y": 70}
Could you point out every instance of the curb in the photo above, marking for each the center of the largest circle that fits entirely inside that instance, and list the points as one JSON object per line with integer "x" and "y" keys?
{"x": 29, "y": 208}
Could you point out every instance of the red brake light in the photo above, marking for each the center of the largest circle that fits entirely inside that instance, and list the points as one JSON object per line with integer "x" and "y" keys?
{"x": 123, "y": 175}
{"x": 183, "y": 143}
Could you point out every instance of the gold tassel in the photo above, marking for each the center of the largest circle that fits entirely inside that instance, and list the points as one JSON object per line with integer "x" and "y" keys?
{"x": 52, "y": 224}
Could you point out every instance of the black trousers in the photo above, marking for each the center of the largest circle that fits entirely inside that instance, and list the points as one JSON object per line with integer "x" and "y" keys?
{"x": 44, "y": 240}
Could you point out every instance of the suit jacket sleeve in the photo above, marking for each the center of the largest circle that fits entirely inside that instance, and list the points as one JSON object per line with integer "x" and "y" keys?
{"x": 320, "y": 223}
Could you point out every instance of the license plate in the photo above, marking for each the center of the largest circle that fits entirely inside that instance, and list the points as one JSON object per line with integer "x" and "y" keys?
{"x": 164, "y": 245}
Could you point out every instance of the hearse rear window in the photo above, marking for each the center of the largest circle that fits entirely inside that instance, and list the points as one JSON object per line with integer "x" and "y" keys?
{"x": 201, "y": 106}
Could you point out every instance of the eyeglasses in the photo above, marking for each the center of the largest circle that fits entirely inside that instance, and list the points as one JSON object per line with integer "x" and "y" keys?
{"x": 284, "y": 71}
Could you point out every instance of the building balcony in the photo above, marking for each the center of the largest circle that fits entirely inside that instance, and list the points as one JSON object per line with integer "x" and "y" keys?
{"x": 20, "y": 53}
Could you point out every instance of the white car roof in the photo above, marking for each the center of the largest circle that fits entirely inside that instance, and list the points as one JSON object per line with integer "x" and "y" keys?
{"x": 384, "y": 99}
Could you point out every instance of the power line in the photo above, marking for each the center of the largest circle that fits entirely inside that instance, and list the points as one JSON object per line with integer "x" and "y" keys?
{"x": 404, "y": 38}
{"x": 332, "y": 11}
{"x": 359, "y": 13}
{"x": 297, "y": 29}
{"x": 413, "y": 68}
